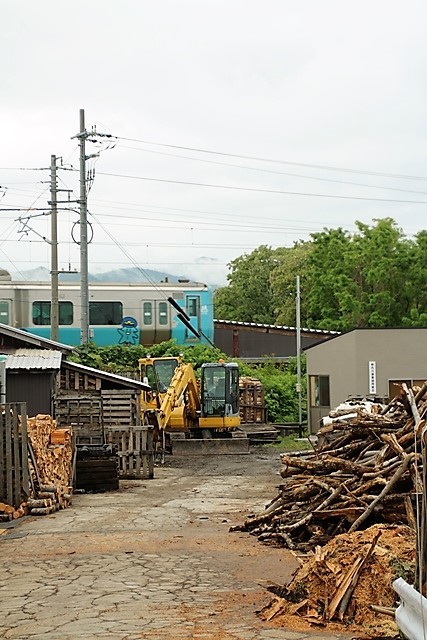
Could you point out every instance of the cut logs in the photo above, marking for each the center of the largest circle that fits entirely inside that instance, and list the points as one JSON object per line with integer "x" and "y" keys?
{"x": 51, "y": 457}
{"x": 366, "y": 467}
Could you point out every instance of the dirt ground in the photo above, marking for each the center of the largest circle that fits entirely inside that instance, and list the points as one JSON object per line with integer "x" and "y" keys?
{"x": 154, "y": 560}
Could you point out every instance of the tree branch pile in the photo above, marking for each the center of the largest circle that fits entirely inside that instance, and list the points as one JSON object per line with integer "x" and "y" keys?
{"x": 364, "y": 471}
{"x": 348, "y": 581}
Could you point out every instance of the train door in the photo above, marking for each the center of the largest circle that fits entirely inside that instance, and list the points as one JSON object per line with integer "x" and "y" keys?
{"x": 156, "y": 321}
{"x": 5, "y": 307}
{"x": 192, "y": 307}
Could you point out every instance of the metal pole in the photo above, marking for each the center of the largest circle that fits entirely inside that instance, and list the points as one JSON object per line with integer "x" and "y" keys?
{"x": 54, "y": 278}
{"x": 298, "y": 387}
{"x": 84, "y": 278}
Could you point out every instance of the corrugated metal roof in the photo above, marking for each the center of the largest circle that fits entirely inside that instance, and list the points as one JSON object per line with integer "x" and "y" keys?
{"x": 128, "y": 382}
{"x": 260, "y": 325}
{"x": 34, "y": 359}
{"x": 31, "y": 338}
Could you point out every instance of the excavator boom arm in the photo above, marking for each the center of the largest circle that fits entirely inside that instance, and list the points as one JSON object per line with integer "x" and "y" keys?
{"x": 183, "y": 382}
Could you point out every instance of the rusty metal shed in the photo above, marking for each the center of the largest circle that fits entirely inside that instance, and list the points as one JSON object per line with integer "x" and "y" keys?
{"x": 255, "y": 340}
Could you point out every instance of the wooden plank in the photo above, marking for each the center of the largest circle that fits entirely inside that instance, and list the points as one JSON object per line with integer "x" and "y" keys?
{"x": 2, "y": 458}
{"x": 9, "y": 484}
{"x": 17, "y": 493}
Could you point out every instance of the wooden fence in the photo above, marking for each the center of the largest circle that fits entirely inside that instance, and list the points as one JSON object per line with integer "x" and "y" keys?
{"x": 14, "y": 472}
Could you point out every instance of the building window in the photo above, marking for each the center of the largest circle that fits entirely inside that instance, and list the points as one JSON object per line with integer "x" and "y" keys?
{"x": 147, "y": 312}
{"x": 42, "y": 313}
{"x": 319, "y": 391}
{"x": 394, "y": 386}
{"x": 163, "y": 313}
{"x": 101, "y": 313}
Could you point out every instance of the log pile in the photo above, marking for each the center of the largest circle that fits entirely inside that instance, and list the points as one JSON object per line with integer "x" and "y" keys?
{"x": 51, "y": 455}
{"x": 366, "y": 469}
{"x": 7, "y": 512}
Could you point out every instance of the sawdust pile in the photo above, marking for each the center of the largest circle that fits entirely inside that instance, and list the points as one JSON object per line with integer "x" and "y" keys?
{"x": 340, "y": 582}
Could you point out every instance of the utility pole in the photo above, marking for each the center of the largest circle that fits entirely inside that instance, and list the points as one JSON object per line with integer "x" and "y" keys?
{"x": 84, "y": 277}
{"x": 298, "y": 386}
{"x": 54, "y": 274}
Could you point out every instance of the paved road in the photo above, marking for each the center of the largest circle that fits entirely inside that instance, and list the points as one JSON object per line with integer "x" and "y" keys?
{"x": 154, "y": 560}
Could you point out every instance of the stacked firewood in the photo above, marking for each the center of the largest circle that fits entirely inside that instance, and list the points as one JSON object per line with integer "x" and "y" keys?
{"x": 7, "y": 512}
{"x": 366, "y": 469}
{"x": 51, "y": 465}
{"x": 251, "y": 400}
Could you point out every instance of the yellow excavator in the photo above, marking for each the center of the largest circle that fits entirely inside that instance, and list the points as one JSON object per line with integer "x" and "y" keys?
{"x": 191, "y": 415}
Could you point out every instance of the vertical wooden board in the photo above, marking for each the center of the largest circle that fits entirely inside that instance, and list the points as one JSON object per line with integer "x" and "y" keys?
{"x": 9, "y": 458}
{"x": 124, "y": 449}
{"x": 138, "y": 447}
{"x": 2, "y": 458}
{"x": 17, "y": 487}
{"x": 151, "y": 465}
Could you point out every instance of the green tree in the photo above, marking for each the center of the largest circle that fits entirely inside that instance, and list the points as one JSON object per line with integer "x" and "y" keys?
{"x": 416, "y": 275}
{"x": 360, "y": 280}
{"x": 330, "y": 291}
{"x": 292, "y": 262}
{"x": 248, "y": 297}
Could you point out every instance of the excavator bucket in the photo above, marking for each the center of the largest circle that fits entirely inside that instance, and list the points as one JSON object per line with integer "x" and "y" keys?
{"x": 210, "y": 446}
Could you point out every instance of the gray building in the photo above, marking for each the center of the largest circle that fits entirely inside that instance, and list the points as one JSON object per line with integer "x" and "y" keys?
{"x": 363, "y": 362}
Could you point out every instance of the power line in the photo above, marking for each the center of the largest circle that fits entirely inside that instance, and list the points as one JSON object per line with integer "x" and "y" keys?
{"x": 280, "y": 173}
{"x": 275, "y": 161}
{"x": 256, "y": 190}
{"x": 24, "y": 168}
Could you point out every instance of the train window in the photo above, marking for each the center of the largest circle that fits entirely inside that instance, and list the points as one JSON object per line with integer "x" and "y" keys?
{"x": 147, "y": 312}
{"x": 66, "y": 315}
{"x": 105, "y": 312}
{"x": 163, "y": 313}
{"x": 193, "y": 306}
{"x": 42, "y": 313}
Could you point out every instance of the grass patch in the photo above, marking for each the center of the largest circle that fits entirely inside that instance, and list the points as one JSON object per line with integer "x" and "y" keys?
{"x": 290, "y": 443}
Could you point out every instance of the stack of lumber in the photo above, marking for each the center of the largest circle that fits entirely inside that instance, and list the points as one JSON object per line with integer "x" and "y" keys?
{"x": 367, "y": 469}
{"x": 252, "y": 404}
{"x": 51, "y": 454}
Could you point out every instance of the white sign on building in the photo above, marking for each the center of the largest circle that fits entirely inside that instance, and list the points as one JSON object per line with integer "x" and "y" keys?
{"x": 372, "y": 376}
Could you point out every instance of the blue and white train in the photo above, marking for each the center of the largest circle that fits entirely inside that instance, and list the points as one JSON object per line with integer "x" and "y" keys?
{"x": 119, "y": 313}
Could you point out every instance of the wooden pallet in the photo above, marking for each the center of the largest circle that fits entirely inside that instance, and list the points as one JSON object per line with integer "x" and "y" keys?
{"x": 135, "y": 451}
{"x": 119, "y": 408}
{"x": 83, "y": 412}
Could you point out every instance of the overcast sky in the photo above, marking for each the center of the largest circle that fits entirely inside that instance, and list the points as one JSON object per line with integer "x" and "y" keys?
{"x": 337, "y": 85}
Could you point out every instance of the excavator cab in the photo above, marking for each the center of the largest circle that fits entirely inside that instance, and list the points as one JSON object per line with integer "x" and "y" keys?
{"x": 220, "y": 395}
{"x": 158, "y": 373}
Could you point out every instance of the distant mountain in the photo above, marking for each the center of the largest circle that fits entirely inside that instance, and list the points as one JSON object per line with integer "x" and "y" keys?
{"x": 41, "y": 274}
